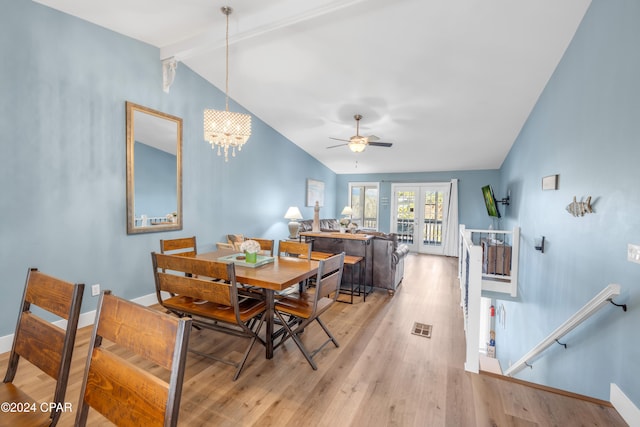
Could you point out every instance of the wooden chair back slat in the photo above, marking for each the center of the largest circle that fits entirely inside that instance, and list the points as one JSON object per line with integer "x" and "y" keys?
{"x": 217, "y": 292}
{"x": 197, "y": 267}
{"x": 129, "y": 327}
{"x": 49, "y": 293}
{"x": 124, "y": 393}
{"x": 141, "y": 397}
{"x": 289, "y": 248}
{"x": 185, "y": 246}
{"x": 266, "y": 245}
{"x": 41, "y": 343}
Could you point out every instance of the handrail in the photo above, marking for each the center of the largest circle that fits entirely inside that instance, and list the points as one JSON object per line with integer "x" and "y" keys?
{"x": 580, "y": 316}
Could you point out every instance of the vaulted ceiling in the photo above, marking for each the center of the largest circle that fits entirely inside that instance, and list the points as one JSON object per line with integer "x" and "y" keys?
{"x": 449, "y": 82}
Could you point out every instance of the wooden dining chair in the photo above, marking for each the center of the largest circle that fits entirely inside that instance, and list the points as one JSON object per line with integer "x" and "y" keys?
{"x": 211, "y": 304}
{"x": 303, "y": 309}
{"x": 266, "y": 245}
{"x": 185, "y": 246}
{"x": 123, "y": 392}
{"x": 44, "y": 345}
{"x": 295, "y": 249}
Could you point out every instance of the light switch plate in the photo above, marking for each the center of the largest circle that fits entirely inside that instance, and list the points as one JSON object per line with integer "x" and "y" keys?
{"x": 95, "y": 290}
{"x": 633, "y": 253}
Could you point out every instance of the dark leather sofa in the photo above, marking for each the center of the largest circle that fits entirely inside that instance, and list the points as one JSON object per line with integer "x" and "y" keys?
{"x": 387, "y": 269}
{"x": 325, "y": 225}
{"x": 388, "y": 260}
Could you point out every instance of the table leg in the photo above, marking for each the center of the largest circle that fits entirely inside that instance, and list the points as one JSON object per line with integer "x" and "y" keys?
{"x": 268, "y": 339}
{"x": 364, "y": 282}
{"x": 353, "y": 267}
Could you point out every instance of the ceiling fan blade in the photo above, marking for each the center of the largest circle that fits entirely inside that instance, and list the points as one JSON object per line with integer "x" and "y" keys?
{"x": 361, "y": 141}
{"x": 339, "y": 145}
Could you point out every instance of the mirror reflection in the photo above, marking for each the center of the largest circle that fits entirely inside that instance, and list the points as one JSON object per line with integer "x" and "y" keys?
{"x": 154, "y": 170}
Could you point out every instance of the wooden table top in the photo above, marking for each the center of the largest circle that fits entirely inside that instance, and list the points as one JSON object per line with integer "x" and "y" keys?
{"x": 277, "y": 275}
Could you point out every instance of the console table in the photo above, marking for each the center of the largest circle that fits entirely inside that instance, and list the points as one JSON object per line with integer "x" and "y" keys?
{"x": 351, "y": 244}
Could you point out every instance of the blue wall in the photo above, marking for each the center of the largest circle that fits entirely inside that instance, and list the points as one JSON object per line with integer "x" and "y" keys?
{"x": 585, "y": 128}
{"x": 471, "y": 209}
{"x": 64, "y": 83}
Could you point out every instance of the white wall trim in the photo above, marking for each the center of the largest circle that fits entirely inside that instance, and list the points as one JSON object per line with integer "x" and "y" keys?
{"x": 85, "y": 319}
{"x": 625, "y": 407}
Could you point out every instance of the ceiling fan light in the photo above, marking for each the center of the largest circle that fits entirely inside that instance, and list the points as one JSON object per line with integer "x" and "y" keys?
{"x": 357, "y": 144}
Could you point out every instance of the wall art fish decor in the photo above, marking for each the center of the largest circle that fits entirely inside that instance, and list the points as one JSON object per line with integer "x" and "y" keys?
{"x": 580, "y": 208}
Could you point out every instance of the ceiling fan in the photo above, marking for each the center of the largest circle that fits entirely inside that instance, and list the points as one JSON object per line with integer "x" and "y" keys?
{"x": 358, "y": 143}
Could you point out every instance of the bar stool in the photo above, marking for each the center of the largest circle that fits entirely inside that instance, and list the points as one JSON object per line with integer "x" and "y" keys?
{"x": 353, "y": 261}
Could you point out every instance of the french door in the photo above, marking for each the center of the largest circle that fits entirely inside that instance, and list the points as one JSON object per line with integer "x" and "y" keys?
{"x": 419, "y": 215}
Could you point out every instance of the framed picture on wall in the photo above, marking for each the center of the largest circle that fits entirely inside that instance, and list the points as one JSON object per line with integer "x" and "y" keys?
{"x": 550, "y": 182}
{"x": 315, "y": 192}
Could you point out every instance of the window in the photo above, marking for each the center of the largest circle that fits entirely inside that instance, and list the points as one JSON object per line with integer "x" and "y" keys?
{"x": 363, "y": 198}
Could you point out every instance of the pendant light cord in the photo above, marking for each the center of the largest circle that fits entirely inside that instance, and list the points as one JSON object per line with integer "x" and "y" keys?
{"x": 227, "y": 11}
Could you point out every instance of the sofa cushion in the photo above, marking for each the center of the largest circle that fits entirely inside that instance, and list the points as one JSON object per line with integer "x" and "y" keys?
{"x": 325, "y": 225}
{"x": 236, "y": 240}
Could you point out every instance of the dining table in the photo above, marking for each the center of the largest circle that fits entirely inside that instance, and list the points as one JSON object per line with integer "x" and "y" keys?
{"x": 278, "y": 275}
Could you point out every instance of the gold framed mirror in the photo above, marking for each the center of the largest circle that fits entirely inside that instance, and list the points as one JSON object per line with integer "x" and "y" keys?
{"x": 154, "y": 170}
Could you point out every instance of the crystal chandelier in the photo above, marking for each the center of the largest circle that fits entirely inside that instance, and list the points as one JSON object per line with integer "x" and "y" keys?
{"x": 226, "y": 129}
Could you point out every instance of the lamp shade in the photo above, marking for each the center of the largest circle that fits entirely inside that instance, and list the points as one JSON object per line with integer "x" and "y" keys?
{"x": 293, "y": 213}
{"x": 347, "y": 211}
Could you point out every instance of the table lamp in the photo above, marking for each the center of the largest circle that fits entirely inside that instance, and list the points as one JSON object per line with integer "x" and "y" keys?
{"x": 347, "y": 211}
{"x": 293, "y": 214}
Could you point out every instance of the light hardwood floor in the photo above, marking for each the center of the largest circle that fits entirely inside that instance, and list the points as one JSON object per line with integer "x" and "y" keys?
{"x": 381, "y": 375}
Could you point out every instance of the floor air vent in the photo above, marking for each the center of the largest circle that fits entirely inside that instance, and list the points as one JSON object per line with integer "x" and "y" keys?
{"x": 422, "y": 330}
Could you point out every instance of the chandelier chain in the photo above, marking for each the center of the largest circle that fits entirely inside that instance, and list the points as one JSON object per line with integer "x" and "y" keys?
{"x": 227, "y": 12}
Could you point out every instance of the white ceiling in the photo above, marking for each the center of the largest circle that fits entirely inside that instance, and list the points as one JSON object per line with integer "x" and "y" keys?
{"x": 449, "y": 82}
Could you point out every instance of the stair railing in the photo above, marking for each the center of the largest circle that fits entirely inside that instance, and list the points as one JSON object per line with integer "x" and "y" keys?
{"x": 605, "y": 296}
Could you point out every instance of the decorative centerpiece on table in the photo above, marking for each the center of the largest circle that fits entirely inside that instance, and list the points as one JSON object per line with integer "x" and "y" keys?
{"x": 344, "y": 222}
{"x": 250, "y": 249}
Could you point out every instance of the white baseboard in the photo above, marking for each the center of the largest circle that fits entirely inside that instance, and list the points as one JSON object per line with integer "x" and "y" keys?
{"x": 625, "y": 407}
{"x": 85, "y": 319}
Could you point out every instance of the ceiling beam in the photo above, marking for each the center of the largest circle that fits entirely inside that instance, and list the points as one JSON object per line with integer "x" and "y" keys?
{"x": 280, "y": 15}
